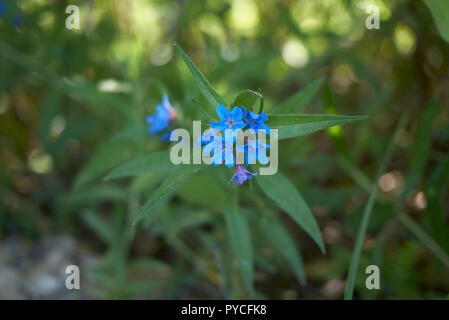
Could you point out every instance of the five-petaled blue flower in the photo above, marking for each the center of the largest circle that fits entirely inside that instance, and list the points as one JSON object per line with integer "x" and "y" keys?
{"x": 241, "y": 175}
{"x": 256, "y": 121}
{"x": 161, "y": 119}
{"x": 254, "y": 150}
{"x": 229, "y": 119}
{"x": 221, "y": 150}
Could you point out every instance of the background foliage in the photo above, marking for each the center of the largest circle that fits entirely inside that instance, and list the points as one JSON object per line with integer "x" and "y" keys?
{"x": 72, "y": 109}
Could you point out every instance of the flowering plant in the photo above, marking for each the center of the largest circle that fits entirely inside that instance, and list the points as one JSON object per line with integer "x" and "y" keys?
{"x": 219, "y": 141}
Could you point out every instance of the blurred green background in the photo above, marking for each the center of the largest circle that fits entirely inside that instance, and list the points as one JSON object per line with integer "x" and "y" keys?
{"x": 73, "y": 105}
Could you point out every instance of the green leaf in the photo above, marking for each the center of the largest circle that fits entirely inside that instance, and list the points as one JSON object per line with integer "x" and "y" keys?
{"x": 209, "y": 93}
{"x": 436, "y": 187}
{"x": 158, "y": 162}
{"x": 297, "y": 102}
{"x": 203, "y": 190}
{"x": 248, "y": 98}
{"x": 295, "y": 125}
{"x": 440, "y": 13}
{"x": 421, "y": 146}
{"x": 239, "y": 237}
{"x": 83, "y": 92}
{"x": 92, "y": 194}
{"x": 285, "y": 244}
{"x": 278, "y": 188}
{"x": 168, "y": 187}
{"x": 105, "y": 158}
{"x": 355, "y": 258}
{"x": 98, "y": 225}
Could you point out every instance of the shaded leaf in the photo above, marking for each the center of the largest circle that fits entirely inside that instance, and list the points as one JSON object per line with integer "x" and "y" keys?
{"x": 170, "y": 185}
{"x": 209, "y": 93}
{"x": 285, "y": 244}
{"x": 278, "y": 188}
{"x": 291, "y": 125}
{"x": 421, "y": 146}
{"x": 440, "y": 13}
{"x": 239, "y": 237}
{"x": 297, "y": 102}
{"x": 158, "y": 162}
{"x": 99, "y": 226}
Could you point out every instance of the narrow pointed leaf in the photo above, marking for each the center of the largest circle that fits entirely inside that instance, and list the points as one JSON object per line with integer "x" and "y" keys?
{"x": 209, "y": 93}
{"x": 154, "y": 162}
{"x": 98, "y": 225}
{"x": 355, "y": 258}
{"x": 295, "y": 125}
{"x": 278, "y": 188}
{"x": 298, "y": 101}
{"x": 239, "y": 237}
{"x": 170, "y": 185}
{"x": 422, "y": 146}
{"x": 285, "y": 244}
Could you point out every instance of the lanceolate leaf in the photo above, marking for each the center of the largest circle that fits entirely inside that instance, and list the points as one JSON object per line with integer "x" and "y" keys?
{"x": 297, "y": 102}
{"x": 421, "y": 147}
{"x": 355, "y": 258}
{"x": 154, "y": 162}
{"x": 284, "y": 243}
{"x": 239, "y": 237}
{"x": 295, "y": 125}
{"x": 440, "y": 13}
{"x": 209, "y": 93}
{"x": 170, "y": 185}
{"x": 278, "y": 188}
{"x": 436, "y": 187}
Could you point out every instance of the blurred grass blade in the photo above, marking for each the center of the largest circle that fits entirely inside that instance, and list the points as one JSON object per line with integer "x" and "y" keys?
{"x": 292, "y": 125}
{"x": 352, "y": 274}
{"x": 98, "y": 193}
{"x": 247, "y": 99}
{"x": 414, "y": 228}
{"x": 278, "y": 188}
{"x": 336, "y": 133}
{"x": 436, "y": 187}
{"x": 297, "y": 102}
{"x": 170, "y": 185}
{"x": 284, "y": 243}
{"x": 421, "y": 146}
{"x": 440, "y": 13}
{"x": 83, "y": 92}
{"x": 239, "y": 237}
{"x": 155, "y": 162}
{"x": 99, "y": 226}
{"x": 209, "y": 93}
{"x": 107, "y": 157}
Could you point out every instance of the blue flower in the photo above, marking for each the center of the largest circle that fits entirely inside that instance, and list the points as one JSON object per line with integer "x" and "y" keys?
{"x": 241, "y": 175}
{"x": 2, "y": 8}
{"x": 221, "y": 151}
{"x": 166, "y": 136}
{"x": 164, "y": 114}
{"x": 256, "y": 121}
{"x": 17, "y": 21}
{"x": 252, "y": 149}
{"x": 207, "y": 136}
{"x": 229, "y": 119}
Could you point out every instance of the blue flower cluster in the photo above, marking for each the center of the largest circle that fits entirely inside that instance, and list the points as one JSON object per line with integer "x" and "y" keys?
{"x": 160, "y": 120}
{"x": 230, "y": 123}
{"x": 16, "y": 20}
